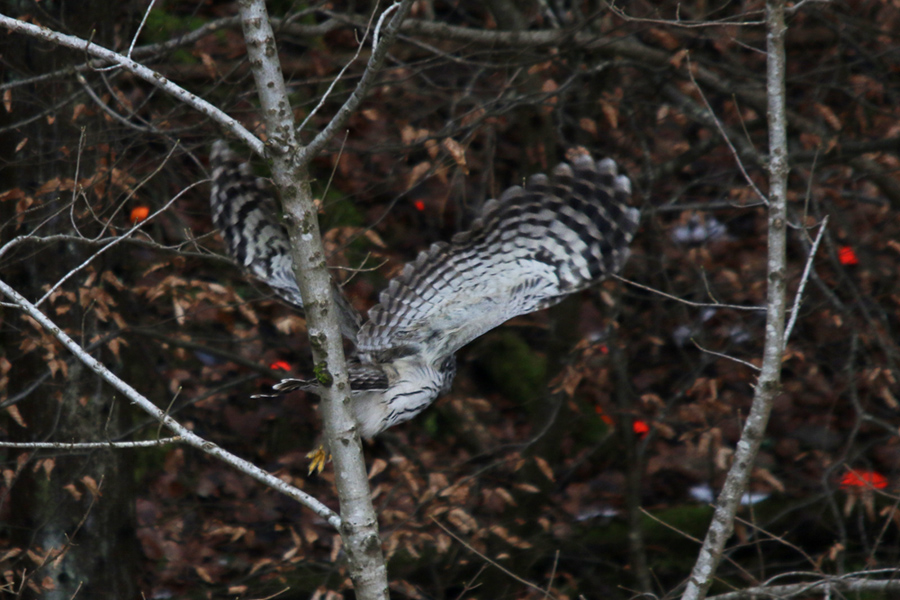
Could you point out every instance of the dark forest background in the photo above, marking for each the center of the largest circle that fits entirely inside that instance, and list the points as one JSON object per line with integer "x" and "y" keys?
{"x": 581, "y": 446}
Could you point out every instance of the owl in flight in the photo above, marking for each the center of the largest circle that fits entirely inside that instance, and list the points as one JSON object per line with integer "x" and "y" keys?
{"x": 529, "y": 249}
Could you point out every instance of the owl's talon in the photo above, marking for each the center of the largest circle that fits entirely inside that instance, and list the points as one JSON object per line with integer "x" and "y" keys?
{"x": 318, "y": 457}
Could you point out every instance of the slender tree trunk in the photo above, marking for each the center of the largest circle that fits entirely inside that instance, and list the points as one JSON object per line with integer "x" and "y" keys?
{"x": 769, "y": 383}
{"x": 359, "y": 523}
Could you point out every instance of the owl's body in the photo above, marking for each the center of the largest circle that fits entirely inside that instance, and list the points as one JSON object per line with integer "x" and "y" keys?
{"x": 530, "y": 249}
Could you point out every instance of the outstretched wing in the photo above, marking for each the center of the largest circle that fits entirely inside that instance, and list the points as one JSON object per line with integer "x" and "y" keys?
{"x": 530, "y": 249}
{"x": 247, "y": 215}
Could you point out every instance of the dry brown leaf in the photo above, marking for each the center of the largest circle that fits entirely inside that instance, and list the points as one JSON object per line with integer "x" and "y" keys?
{"x": 408, "y": 134}
{"x": 588, "y": 125}
{"x": 12, "y": 553}
{"x": 417, "y": 173}
{"x": 888, "y": 398}
{"x": 79, "y": 110}
{"x": 73, "y": 491}
{"x": 549, "y": 87}
{"x": 462, "y": 520}
{"x": 407, "y": 544}
{"x": 13, "y": 411}
{"x": 48, "y": 464}
{"x": 203, "y": 573}
{"x": 510, "y": 539}
{"x": 91, "y": 484}
{"x": 336, "y": 545}
{"x": 544, "y": 466}
{"x": 664, "y": 38}
{"x": 180, "y": 308}
{"x": 678, "y": 58}
{"x": 457, "y": 152}
{"x": 411, "y": 482}
{"x": 507, "y": 497}
{"x": 829, "y": 116}
{"x": 378, "y": 465}
{"x": 567, "y": 381}
{"x": 309, "y": 534}
{"x": 769, "y": 478}
{"x": 611, "y": 112}
{"x": 527, "y": 487}
{"x": 13, "y": 194}
{"x": 210, "y": 65}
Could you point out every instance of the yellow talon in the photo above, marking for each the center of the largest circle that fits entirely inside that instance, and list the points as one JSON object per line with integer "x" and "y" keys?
{"x": 318, "y": 457}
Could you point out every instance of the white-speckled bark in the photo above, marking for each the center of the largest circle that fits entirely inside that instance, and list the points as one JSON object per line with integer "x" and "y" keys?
{"x": 770, "y": 374}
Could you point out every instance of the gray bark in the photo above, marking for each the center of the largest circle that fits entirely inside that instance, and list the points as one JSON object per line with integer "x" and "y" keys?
{"x": 359, "y": 528}
{"x": 769, "y": 382}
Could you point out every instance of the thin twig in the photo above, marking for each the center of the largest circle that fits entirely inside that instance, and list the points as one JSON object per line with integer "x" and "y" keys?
{"x": 141, "y": 71}
{"x": 730, "y": 21}
{"x": 91, "y": 445}
{"x": 144, "y": 404}
{"x": 688, "y": 302}
{"x": 847, "y": 583}
{"x": 379, "y": 53}
{"x": 492, "y": 562}
{"x": 724, "y": 135}
{"x": 140, "y": 27}
{"x": 720, "y": 355}
{"x": 111, "y": 244}
{"x": 107, "y": 109}
{"x": 339, "y": 76}
{"x": 806, "y": 270}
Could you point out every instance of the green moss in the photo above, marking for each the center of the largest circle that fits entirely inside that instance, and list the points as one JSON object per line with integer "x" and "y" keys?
{"x": 323, "y": 376}
{"x": 161, "y": 25}
{"x": 513, "y": 367}
{"x": 340, "y": 212}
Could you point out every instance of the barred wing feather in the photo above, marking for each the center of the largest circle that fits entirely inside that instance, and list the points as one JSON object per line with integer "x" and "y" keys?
{"x": 530, "y": 249}
{"x": 248, "y": 216}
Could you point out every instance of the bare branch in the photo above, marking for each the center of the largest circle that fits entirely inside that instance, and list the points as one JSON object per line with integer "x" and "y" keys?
{"x": 115, "y": 241}
{"x": 503, "y": 569}
{"x": 852, "y": 583}
{"x": 105, "y": 108}
{"x": 688, "y": 302}
{"x": 725, "y": 136}
{"x": 138, "y": 69}
{"x": 185, "y": 434}
{"x": 331, "y": 86}
{"x": 137, "y": 32}
{"x": 91, "y": 445}
{"x": 736, "y": 20}
{"x": 721, "y": 355}
{"x": 798, "y": 299}
{"x": 379, "y": 53}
